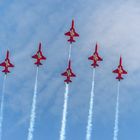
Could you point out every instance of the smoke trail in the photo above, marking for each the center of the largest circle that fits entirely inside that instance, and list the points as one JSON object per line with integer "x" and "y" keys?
{"x": 2, "y": 106}
{"x": 116, "y": 128}
{"x": 33, "y": 111}
{"x": 69, "y": 53}
{"x": 90, "y": 114}
{"x": 64, "y": 117}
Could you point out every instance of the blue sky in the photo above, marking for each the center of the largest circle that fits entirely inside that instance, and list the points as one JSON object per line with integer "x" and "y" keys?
{"x": 113, "y": 24}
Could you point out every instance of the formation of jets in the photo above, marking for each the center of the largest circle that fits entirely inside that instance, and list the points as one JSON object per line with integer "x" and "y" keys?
{"x": 68, "y": 73}
{"x": 94, "y": 58}
{"x": 71, "y": 34}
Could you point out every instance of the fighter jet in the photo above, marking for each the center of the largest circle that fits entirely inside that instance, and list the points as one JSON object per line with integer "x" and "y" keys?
{"x": 95, "y": 57}
{"x": 68, "y": 73}
{"x": 39, "y": 56}
{"x": 120, "y": 70}
{"x": 72, "y": 33}
{"x": 6, "y": 64}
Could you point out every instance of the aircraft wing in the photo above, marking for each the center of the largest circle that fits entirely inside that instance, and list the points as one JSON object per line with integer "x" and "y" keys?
{"x": 90, "y": 58}
{"x": 72, "y": 74}
{"x": 43, "y": 57}
{"x": 100, "y": 59}
{"x": 67, "y": 34}
{"x": 11, "y": 65}
{"x": 64, "y": 74}
{"x": 76, "y": 34}
{"x": 35, "y": 56}
{"x": 124, "y": 72}
{"x": 2, "y": 64}
{"x": 116, "y": 71}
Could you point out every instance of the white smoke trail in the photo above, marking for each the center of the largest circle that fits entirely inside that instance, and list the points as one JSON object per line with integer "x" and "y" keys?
{"x": 2, "y": 106}
{"x": 33, "y": 111}
{"x": 116, "y": 128}
{"x": 64, "y": 117}
{"x": 69, "y": 57}
{"x": 90, "y": 114}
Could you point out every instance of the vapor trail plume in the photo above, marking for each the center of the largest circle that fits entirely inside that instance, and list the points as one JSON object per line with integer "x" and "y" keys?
{"x": 90, "y": 114}
{"x": 33, "y": 111}
{"x": 69, "y": 57}
{"x": 116, "y": 128}
{"x": 64, "y": 117}
{"x": 2, "y": 106}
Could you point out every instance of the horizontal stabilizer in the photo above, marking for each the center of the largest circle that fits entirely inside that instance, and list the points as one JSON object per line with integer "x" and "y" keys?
{"x": 67, "y": 81}
{"x": 38, "y": 63}
{"x": 71, "y": 40}
{"x": 119, "y": 78}
{"x": 6, "y": 71}
{"x": 94, "y": 65}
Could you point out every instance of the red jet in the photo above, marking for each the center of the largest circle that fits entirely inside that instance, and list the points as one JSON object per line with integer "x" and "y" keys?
{"x": 39, "y": 56}
{"x": 120, "y": 71}
{"x": 95, "y": 57}
{"x": 6, "y": 64}
{"x": 68, "y": 73}
{"x": 72, "y": 33}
